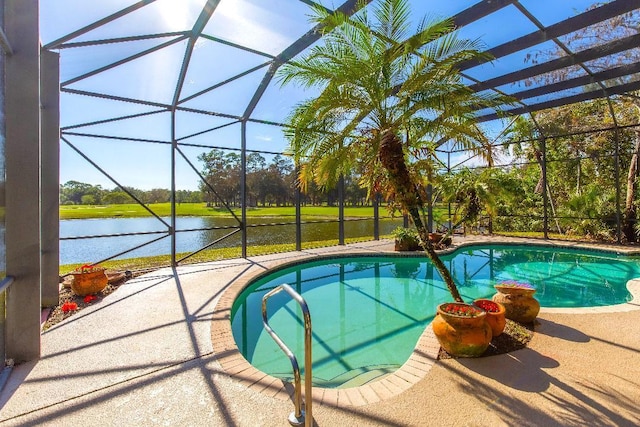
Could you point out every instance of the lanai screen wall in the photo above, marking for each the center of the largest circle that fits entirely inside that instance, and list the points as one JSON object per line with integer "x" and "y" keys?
{"x": 148, "y": 86}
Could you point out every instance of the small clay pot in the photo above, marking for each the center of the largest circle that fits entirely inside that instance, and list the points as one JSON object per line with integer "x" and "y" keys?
{"x": 496, "y": 319}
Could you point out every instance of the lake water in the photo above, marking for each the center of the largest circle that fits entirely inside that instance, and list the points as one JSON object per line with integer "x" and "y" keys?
{"x": 97, "y": 249}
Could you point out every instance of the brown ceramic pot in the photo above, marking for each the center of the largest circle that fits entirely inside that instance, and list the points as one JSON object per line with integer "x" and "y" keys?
{"x": 89, "y": 282}
{"x": 519, "y": 303}
{"x": 459, "y": 335}
{"x": 495, "y": 319}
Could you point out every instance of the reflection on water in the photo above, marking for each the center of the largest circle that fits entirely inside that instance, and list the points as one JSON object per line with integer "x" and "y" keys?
{"x": 366, "y": 316}
{"x": 562, "y": 277}
{"x": 75, "y": 251}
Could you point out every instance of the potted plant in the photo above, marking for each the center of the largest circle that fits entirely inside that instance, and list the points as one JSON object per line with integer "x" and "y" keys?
{"x": 495, "y": 314}
{"x": 89, "y": 279}
{"x": 518, "y": 301}
{"x": 440, "y": 240}
{"x": 461, "y": 329}
{"x": 406, "y": 239}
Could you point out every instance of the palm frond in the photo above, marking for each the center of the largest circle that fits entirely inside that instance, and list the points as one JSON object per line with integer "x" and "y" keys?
{"x": 376, "y": 76}
{"x": 393, "y": 19}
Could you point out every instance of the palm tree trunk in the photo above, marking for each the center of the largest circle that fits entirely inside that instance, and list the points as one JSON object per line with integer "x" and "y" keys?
{"x": 391, "y": 156}
{"x": 630, "y": 208}
{"x": 630, "y": 214}
{"x": 539, "y": 190}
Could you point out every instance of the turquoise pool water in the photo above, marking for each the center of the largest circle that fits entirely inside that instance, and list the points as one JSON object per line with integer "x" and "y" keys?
{"x": 368, "y": 312}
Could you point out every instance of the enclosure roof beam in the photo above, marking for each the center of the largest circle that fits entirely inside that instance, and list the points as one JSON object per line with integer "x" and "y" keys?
{"x": 565, "y": 61}
{"x": 349, "y": 7}
{"x": 54, "y": 44}
{"x": 478, "y": 11}
{"x": 562, "y": 28}
{"x": 123, "y": 61}
{"x": 114, "y": 97}
{"x": 229, "y": 80}
{"x": 622, "y": 71}
{"x": 99, "y": 42}
{"x": 236, "y": 46}
{"x": 585, "y": 96}
{"x": 197, "y": 29}
{"x": 314, "y": 4}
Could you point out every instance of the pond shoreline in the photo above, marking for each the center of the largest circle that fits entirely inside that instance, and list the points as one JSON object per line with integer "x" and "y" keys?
{"x": 92, "y": 240}
{"x": 134, "y": 210}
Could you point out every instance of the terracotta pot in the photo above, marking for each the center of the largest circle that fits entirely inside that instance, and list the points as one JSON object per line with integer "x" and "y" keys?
{"x": 496, "y": 319}
{"x": 519, "y": 303}
{"x": 462, "y": 336}
{"x": 89, "y": 282}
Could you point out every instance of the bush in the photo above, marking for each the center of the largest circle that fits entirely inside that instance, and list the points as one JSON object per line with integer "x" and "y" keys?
{"x": 406, "y": 239}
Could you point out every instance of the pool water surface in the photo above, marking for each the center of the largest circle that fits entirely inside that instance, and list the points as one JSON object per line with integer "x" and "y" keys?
{"x": 368, "y": 312}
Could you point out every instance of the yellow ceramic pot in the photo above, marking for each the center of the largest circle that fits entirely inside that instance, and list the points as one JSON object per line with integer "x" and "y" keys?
{"x": 495, "y": 315}
{"x": 519, "y": 303}
{"x": 461, "y": 329}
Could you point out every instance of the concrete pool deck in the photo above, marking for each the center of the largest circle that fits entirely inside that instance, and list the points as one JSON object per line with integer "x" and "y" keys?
{"x": 145, "y": 356}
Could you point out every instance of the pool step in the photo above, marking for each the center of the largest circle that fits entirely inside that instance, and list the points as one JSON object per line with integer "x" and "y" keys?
{"x": 364, "y": 375}
{"x": 353, "y": 378}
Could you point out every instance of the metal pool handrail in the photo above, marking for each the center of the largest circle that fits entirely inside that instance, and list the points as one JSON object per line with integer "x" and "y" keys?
{"x": 6, "y": 282}
{"x": 299, "y": 416}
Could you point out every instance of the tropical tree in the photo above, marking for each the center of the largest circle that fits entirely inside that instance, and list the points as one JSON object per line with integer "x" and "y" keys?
{"x": 117, "y": 197}
{"x": 386, "y": 97}
{"x": 580, "y": 164}
{"x": 72, "y": 192}
{"x": 222, "y": 173}
{"x": 471, "y": 192}
{"x": 606, "y": 31}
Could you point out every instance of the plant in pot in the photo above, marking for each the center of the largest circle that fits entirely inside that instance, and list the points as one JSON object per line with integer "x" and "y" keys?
{"x": 384, "y": 102}
{"x": 462, "y": 329}
{"x": 406, "y": 239}
{"x": 495, "y": 314}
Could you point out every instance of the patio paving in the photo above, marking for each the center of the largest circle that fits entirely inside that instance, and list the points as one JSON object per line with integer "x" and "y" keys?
{"x": 144, "y": 356}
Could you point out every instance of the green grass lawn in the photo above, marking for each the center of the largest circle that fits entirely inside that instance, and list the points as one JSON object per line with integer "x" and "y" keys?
{"x": 155, "y": 262}
{"x": 201, "y": 209}
{"x": 134, "y": 210}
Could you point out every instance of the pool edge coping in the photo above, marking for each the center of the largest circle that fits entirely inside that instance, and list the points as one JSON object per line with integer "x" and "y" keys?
{"x": 422, "y": 358}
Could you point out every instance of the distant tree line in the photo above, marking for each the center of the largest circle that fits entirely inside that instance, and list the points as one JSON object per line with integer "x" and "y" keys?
{"x": 80, "y": 193}
{"x": 268, "y": 184}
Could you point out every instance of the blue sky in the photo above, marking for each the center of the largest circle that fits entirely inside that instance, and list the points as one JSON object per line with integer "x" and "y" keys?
{"x": 264, "y": 26}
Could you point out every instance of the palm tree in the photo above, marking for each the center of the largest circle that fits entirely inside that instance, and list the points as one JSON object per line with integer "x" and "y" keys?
{"x": 471, "y": 193}
{"x": 386, "y": 97}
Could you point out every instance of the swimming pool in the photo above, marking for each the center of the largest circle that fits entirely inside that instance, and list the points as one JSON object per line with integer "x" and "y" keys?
{"x": 368, "y": 312}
